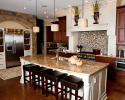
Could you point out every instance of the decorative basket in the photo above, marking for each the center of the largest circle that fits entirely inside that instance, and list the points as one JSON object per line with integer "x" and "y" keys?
{"x": 1, "y": 41}
{"x": 26, "y": 41}
{"x": 1, "y": 34}
{"x": 26, "y": 35}
{"x": 27, "y": 47}
{"x": 1, "y": 48}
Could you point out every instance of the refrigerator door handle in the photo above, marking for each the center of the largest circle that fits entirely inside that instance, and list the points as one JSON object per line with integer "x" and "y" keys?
{"x": 15, "y": 45}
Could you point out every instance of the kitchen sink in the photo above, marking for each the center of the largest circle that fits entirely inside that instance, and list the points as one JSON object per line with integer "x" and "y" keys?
{"x": 61, "y": 58}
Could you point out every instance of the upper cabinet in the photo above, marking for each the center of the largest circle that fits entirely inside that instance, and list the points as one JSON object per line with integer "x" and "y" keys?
{"x": 60, "y": 36}
{"x": 49, "y": 34}
{"x": 120, "y": 33}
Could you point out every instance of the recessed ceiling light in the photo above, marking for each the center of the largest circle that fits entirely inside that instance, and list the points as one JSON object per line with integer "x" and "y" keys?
{"x": 56, "y": 9}
{"x": 46, "y": 16}
{"x": 44, "y": 5}
{"x": 86, "y": 0}
{"x": 69, "y": 5}
{"x": 45, "y": 12}
{"x": 24, "y": 7}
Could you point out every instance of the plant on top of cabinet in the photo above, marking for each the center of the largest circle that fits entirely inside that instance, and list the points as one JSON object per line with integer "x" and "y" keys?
{"x": 96, "y": 7}
{"x": 76, "y": 12}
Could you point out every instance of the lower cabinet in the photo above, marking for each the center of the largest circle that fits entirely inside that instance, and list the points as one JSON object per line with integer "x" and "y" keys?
{"x": 110, "y": 67}
{"x": 62, "y": 54}
{"x": 2, "y": 60}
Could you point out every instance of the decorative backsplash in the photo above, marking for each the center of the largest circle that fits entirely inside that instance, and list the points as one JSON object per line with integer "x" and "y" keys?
{"x": 93, "y": 40}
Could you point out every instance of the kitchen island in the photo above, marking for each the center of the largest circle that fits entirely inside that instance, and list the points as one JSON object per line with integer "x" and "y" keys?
{"x": 93, "y": 74}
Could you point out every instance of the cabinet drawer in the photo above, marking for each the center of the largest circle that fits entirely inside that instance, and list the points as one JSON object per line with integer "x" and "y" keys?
{"x": 2, "y": 54}
{"x": 2, "y": 58}
{"x": 2, "y": 65}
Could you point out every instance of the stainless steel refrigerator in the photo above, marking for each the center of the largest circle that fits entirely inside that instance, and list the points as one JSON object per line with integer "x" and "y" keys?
{"x": 14, "y": 43}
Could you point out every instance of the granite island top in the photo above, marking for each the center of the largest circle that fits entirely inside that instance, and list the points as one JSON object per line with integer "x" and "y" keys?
{"x": 88, "y": 67}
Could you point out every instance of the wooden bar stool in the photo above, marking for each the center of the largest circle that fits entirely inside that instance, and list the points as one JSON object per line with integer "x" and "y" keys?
{"x": 41, "y": 73}
{"x": 29, "y": 68}
{"x": 54, "y": 76}
{"x": 71, "y": 82}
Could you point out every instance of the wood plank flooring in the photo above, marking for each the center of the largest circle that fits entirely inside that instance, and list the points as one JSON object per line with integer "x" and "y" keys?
{"x": 12, "y": 89}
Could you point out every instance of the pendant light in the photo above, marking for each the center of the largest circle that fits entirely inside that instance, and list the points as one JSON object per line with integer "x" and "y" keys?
{"x": 82, "y": 23}
{"x": 36, "y": 28}
{"x": 54, "y": 27}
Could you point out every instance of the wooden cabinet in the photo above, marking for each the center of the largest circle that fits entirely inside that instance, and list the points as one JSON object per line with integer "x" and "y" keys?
{"x": 120, "y": 32}
{"x": 60, "y": 36}
{"x": 110, "y": 67}
{"x": 62, "y": 30}
{"x": 49, "y": 34}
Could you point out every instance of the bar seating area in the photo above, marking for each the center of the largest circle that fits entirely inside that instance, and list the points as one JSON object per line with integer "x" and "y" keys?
{"x": 40, "y": 74}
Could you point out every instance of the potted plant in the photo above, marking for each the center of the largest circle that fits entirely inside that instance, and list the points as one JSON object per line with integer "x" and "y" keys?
{"x": 96, "y": 8}
{"x": 76, "y": 12}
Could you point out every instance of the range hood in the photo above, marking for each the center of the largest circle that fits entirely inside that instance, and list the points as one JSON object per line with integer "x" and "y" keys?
{"x": 94, "y": 27}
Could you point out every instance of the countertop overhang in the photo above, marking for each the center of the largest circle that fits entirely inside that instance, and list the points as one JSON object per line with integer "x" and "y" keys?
{"x": 88, "y": 68}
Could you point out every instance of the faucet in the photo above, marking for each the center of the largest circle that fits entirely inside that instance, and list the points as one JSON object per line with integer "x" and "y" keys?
{"x": 57, "y": 54}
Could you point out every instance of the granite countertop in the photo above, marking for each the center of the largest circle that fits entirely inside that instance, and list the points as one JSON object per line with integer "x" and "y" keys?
{"x": 88, "y": 67}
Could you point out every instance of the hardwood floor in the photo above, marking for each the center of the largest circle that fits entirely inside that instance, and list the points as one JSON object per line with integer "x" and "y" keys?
{"x": 12, "y": 89}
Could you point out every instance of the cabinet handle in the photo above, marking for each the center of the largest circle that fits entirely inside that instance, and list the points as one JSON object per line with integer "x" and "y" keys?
{"x": 1, "y": 64}
{"x": 1, "y": 58}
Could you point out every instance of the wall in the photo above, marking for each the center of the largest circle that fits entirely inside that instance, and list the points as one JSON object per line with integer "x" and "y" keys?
{"x": 28, "y": 21}
{"x": 93, "y": 40}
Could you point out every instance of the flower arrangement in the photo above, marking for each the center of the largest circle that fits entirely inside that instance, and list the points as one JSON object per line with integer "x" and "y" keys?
{"x": 96, "y": 6}
{"x": 76, "y": 10}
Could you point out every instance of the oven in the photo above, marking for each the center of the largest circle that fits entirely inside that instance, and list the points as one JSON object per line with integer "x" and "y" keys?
{"x": 119, "y": 64}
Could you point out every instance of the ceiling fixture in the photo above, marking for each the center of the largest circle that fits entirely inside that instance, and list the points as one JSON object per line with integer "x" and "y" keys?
{"x": 82, "y": 23}
{"x": 69, "y": 5}
{"x": 54, "y": 27}
{"x": 86, "y": 0}
{"x": 45, "y": 12}
{"x": 24, "y": 7}
{"x": 56, "y": 9}
{"x": 36, "y": 28}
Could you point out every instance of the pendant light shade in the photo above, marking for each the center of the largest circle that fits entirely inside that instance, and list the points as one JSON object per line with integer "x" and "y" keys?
{"x": 36, "y": 28}
{"x": 54, "y": 27}
{"x": 82, "y": 23}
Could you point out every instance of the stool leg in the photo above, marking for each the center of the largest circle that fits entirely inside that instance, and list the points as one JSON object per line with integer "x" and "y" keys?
{"x": 30, "y": 78}
{"x": 56, "y": 91}
{"x": 34, "y": 81}
{"x": 24, "y": 76}
{"x": 42, "y": 85}
{"x": 51, "y": 86}
{"x": 70, "y": 93}
{"x": 76, "y": 95}
{"x": 61, "y": 92}
{"x": 38, "y": 80}
{"x": 46, "y": 87}
{"x": 65, "y": 91}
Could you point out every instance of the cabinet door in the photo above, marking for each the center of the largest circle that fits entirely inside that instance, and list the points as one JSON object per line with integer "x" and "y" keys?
{"x": 110, "y": 67}
{"x": 49, "y": 34}
{"x": 120, "y": 38}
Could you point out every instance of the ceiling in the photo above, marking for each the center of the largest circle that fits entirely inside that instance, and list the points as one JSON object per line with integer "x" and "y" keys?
{"x": 17, "y": 6}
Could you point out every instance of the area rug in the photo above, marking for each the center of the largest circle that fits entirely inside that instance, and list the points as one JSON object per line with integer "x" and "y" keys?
{"x": 10, "y": 73}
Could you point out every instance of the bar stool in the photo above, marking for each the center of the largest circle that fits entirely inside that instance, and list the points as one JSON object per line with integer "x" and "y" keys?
{"x": 41, "y": 73}
{"x": 29, "y": 68}
{"x": 71, "y": 82}
{"x": 54, "y": 76}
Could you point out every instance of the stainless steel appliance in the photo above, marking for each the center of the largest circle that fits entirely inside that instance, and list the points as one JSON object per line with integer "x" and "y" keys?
{"x": 14, "y": 41}
{"x": 119, "y": 64}
{"x": 87, "y": 56}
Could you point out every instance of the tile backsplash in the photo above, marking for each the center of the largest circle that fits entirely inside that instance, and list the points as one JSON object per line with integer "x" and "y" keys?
{"x": 93, "y": 40}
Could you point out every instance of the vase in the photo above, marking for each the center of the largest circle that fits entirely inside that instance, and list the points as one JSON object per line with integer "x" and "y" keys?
{"x": 76, "y": 20}
{"x": 96, "y": 17}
